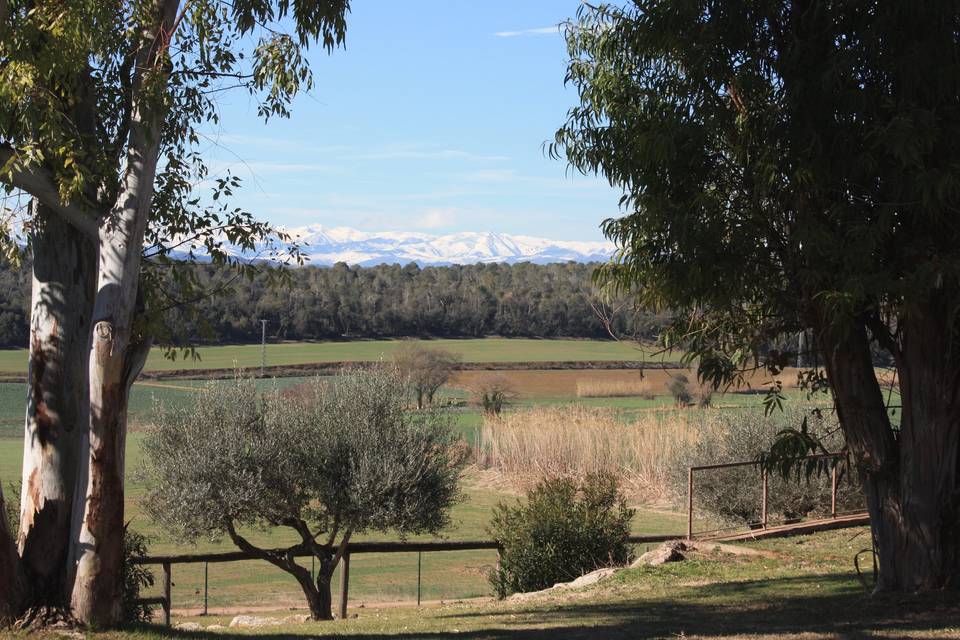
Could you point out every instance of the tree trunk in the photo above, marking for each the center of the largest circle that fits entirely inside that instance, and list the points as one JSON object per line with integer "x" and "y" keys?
{"x": 318, "y": 596}
{"x": 320, "y": 608}
{"x": 57, "y": 399}
{"x": 116, "y": 358}
{"x": 117, "y": 351}
{"x": 324, "y": 582}
{"x": 910, "y": 479}
{"x": 923, "y": 550}
{"x": 11, "y": 582}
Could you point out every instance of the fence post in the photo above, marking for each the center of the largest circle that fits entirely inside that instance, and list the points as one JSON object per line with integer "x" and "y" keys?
{"x": 833, "y": 492}
{"x": 763, "y": 503}
{"x": 690, "y": 503}
{"x": 344, "y": 584}
{"x": 167, "y": 582}
{"x": 418, "y": 577}
{"x": 206, "y": 566}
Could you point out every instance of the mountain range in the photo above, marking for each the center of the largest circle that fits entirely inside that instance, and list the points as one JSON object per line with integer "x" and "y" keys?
{"x": 328, "y": 245}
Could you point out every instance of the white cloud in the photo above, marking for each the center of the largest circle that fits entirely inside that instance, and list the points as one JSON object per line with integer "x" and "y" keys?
{"x": 539, "y": 31}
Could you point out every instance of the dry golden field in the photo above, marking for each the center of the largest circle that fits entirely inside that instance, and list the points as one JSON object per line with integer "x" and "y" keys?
{"x": 551, "y": 383}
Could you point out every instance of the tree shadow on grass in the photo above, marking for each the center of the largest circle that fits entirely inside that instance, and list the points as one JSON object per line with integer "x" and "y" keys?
{"x": 829, "y": 604}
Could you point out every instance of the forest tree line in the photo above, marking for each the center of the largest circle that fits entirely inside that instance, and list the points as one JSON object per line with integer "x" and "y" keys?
{"x": 343, "y": 302}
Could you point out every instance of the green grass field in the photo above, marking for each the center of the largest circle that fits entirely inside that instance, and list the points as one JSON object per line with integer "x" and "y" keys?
{"x": 291, "y": 353}
{"x": 803, "y": 587}
{"x": 373, "y": 577}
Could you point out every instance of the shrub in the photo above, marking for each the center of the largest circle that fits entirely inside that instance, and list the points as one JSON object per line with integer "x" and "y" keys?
{"x": 11, "y": 510}
{"x": 136, "y": 577}
{"x": 733, "y": 496}
{"x": 493, "y": 392}
{"x": 679, "y": 388}
{"x": 562, "y": 532}
{"x": 704, "y": 397}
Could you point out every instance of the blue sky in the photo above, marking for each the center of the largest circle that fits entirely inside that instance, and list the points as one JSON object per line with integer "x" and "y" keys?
{"x": 431, "y": 119}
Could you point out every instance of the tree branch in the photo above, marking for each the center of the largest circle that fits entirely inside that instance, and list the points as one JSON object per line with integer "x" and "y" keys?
{"x": 123, "y": 127}
{"x": 4, "y": 14}
{"x": 333, "y": 532}
{"x": 244, "y": 545}
{"x": 39, "y": 184}
{"x": 341, "y": 549}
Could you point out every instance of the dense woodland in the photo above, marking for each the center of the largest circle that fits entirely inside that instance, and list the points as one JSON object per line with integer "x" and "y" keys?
{"x": 521, "y": 300}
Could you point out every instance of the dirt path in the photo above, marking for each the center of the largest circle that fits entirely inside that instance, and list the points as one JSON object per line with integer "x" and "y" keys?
{"x": 289, "y": 606}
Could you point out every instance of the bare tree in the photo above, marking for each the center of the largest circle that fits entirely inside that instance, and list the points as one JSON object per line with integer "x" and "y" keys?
{"x": 493, "y": 392}
{"x": 345, "y": 457}
{"x": 426, "y": 369}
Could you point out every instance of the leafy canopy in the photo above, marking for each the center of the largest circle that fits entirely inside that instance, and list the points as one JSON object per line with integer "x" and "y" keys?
{"x": 784, "y": 164}
{"x": 69, "y": 76}
{"x": 345, "y": 454}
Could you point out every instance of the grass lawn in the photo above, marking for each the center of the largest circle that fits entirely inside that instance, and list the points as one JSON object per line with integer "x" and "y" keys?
{"x": 801, "y": 587}
{"x": 373, "y": 577}
{"x": 472, "y": 350}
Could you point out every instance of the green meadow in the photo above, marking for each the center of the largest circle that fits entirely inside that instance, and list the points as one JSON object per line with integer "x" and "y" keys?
{"x": 294, "y": 353}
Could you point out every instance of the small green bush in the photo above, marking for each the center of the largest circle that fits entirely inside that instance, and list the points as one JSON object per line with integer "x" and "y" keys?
{"x": 136, "y": 577}
{"x": 732, "y": 497}
{"x": 679, "y": 388}
{"x": 562, "y": 532}
{"x": 11, "y": 508}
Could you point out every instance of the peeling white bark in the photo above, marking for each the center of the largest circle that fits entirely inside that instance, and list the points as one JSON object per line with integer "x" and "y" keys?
{"x": 56, "y": 401}
{"x": 116, "y": 355}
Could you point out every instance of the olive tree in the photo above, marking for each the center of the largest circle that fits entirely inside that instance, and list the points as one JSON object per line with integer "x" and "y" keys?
{"x": 790, "y": 166}
{"x": 103, "y": 107}
{"x": 343, "y": 458}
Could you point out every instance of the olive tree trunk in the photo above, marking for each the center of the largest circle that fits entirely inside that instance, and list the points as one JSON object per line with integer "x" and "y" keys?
{"x": 324, "y": 609}
{"x": 909, "y": 478}
{"x": 318, "y": 596}
{"x": 62, "y": 295}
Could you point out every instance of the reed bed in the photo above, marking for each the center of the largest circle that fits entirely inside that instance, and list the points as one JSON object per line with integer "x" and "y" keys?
{"x": 572, "y": 441}
{"x": 615, "y": 389}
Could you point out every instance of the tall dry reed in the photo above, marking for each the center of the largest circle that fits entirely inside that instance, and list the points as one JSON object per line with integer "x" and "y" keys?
{"x": 572, "y": 441}
{"x": 614, "y": 389}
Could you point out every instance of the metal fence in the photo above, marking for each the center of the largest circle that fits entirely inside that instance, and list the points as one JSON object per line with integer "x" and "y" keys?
{"x": 764, "y": 492}
{"x": 167, "y": 562}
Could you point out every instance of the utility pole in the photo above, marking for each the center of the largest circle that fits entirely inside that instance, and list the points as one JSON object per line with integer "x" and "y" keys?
{"x": 263, "y": 346}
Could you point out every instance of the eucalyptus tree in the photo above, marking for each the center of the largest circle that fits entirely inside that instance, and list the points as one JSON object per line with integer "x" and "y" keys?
{"x": 792, "y": 165}
{"x": 339, "y": 458}
{"x": 102, "y": 112}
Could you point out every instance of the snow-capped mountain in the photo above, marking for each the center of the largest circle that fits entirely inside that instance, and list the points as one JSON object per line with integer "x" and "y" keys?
{"x": 328, "y": 245}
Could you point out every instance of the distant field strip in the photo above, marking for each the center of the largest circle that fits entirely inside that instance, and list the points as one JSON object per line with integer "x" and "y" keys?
{"x": 160, "y": 385}
{"x": 471, "y": 350}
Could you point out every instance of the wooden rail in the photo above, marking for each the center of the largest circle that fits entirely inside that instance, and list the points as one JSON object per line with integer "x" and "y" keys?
{"x": 167, "y": 561}
{"x": 765, "y": 487}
